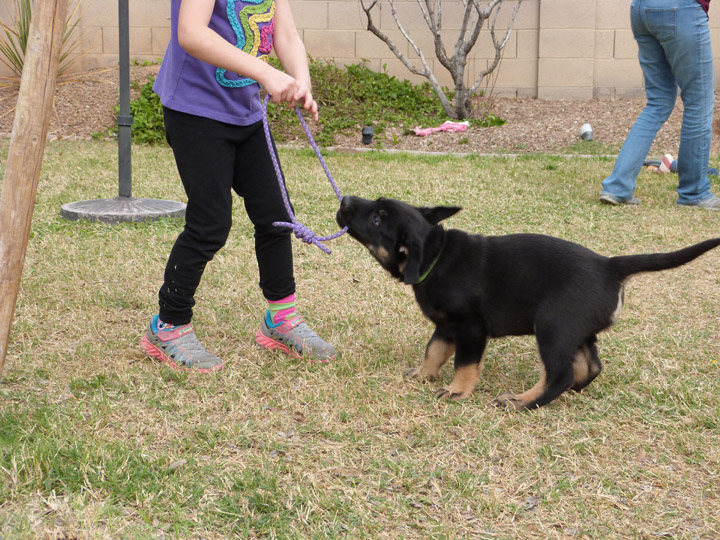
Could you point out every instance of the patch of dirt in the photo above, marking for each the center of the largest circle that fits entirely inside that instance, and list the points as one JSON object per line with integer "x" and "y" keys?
{"x": 85, "y": 106}
{"x": 535, "y": 125}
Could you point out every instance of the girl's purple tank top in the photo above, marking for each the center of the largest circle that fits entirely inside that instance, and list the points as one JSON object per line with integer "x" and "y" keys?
{"x": 189, "y": 85}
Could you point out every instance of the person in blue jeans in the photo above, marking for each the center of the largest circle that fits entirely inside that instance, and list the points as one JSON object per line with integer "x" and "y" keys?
{"x": 674, "y": 49}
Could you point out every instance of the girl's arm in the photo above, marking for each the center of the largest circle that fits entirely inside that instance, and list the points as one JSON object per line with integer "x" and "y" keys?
{"x": 200, "y": 41}
{"x": 291, "y": 52}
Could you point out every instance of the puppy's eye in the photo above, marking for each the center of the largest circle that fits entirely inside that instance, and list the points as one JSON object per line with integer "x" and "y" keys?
{"x": 376, "y": 220}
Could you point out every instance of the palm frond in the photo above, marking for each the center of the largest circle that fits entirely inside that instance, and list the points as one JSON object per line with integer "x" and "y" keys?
{"x": 17, "y": 27}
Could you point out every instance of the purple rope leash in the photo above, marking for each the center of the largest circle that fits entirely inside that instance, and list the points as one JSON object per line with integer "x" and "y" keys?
{"x": 301, "y": 231}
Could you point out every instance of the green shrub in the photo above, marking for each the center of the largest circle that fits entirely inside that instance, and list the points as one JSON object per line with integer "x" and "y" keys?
{"x": 146, "y": 110}
{"x": 348, "y": 97}
{"x": 355, "y": 96}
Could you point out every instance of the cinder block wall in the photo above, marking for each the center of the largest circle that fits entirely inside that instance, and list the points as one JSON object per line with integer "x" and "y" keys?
{"x": 559, "y": 49}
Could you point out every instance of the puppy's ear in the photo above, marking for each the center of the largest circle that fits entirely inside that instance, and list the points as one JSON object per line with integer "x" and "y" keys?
{"x": 412, "y": 268}
{"x": 412, "y": 243}
{"x": 436, "y": 214}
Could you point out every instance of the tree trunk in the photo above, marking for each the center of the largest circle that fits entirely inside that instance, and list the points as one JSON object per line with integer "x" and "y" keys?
{"x": 27, "y": 146}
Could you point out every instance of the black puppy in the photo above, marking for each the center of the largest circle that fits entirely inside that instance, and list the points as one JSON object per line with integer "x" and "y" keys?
{"x": 478, "y": 287}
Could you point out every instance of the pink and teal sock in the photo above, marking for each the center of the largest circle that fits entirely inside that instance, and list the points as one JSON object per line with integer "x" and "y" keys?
{"x": 282, "y": 310}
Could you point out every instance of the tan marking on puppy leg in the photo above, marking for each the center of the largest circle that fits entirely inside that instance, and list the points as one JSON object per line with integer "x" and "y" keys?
{"x": 618, "y": 310}
{"x": 581, "y": 365}
{"x": 594, "y": 369}
{"x": 520, "y": 401}
{"x": 463, "y": 384}
{"x": 437, "y": 354}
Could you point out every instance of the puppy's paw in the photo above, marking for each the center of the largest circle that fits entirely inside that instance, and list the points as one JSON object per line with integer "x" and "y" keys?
{"x": 417, "y": 374}
{"x": 509, "y": 401}
{"x": 447, "y": 393}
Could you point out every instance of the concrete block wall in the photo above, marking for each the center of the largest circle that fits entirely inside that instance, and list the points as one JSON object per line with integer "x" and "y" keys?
{"x": 558, "y": 49}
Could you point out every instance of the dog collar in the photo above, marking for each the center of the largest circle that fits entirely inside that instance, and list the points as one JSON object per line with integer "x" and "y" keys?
{"x": 426, "y": 273}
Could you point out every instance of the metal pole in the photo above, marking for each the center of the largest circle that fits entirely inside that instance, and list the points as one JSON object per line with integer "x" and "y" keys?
{"x": 124, "y": 207}
{"x": 124, "y": 119}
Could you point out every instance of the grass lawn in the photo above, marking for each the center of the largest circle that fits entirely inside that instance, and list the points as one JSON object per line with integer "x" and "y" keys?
{"x": 99, "y": 441}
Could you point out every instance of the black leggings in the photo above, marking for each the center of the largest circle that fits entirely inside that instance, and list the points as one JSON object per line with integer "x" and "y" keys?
{"x": 214, "y": 159}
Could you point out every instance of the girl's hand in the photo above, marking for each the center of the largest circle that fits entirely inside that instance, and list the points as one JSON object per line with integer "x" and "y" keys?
{"x": 285, "y": 89}
{"x": 304, "y": 97}
{"x": 279, "y": 85}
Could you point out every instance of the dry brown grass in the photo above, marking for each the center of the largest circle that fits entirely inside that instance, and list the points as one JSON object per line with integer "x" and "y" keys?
{"x": 98, "y": 441}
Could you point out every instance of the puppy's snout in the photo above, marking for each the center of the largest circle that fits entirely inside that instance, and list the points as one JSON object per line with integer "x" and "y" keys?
{"x": 346, "y": 211}
{"x": 347, "y": 203}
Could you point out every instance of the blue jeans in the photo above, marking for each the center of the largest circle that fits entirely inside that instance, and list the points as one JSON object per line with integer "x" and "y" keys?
{"x": 674, "y": 49}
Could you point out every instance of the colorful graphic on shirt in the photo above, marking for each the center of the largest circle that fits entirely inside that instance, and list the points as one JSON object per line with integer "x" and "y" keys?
{"x": 253, "y": 25}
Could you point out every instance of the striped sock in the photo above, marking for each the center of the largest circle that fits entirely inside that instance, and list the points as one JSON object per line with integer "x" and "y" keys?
{"x": 283, "y": 309}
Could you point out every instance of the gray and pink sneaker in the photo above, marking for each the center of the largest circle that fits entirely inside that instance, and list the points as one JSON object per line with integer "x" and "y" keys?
{"x": 294, "y": 337}
{"x": 179, "y": 347}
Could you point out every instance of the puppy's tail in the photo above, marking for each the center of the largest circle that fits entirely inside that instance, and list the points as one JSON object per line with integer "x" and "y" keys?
{"x": 628, "y": 265}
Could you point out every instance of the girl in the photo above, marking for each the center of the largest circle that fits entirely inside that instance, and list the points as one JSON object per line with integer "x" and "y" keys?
{"x": 209, "y": 84}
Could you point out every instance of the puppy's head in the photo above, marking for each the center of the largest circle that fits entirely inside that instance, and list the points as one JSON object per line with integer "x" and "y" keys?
{"x": 393, "y": 232}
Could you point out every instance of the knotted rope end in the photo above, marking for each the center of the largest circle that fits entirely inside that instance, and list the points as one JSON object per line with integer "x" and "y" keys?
{"x": 301, "y": 231}
{"x": 305, "y": 234}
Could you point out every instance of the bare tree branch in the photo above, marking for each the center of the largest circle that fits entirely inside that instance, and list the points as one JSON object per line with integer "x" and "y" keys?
{"x": 426, "y": 71}
{"x": 499, "y": 47}
{"x": 474, "y": 17}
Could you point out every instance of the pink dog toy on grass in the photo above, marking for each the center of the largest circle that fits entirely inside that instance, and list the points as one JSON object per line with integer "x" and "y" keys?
{"x": 445, "y": 126}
